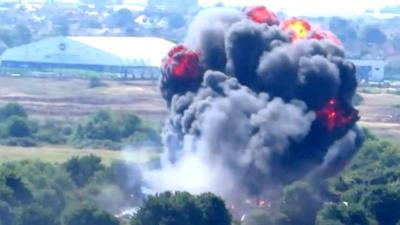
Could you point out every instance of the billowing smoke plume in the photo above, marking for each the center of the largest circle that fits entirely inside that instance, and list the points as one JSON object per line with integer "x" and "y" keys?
{"x": 255, "y": 104}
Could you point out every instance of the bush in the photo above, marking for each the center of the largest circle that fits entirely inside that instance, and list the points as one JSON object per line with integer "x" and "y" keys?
{"x": 106, "y": 130}
{"x": 394, "y": 92}
{"x": 86, "y": 214}
{"x": 12, "y": 109}
{"x": 99, "y": 126}
{"x": 35, "y": 214}
{"x": 55, "y": 138}
{"x": 182, "y": 208}
{"x": 16, "y": 127}
{"x": 82, "y": 169}
{"x": 98, "y": 144}
{"x": 21, "y": 142}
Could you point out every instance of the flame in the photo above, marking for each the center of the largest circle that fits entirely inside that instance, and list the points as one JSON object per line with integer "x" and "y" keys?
{"x": 261, "y": 14}
{"x": 298, "y": 28}
{"x": 334, "y": 115}
{"x": 262, "y": 203}
{"x": 319, "y": 34}
{"x": 182, "y": 62}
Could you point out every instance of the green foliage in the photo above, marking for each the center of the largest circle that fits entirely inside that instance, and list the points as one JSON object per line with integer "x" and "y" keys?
{"x": 300, "y": 194}
{"x": 6, "y": 215}
{"x": 104, "y": 129}
{"x": 394, "y": 92}
{"x": 35, "y": 214}
{"x": 342, "y": 214}
{"x": 12, "y": 109}
{"x": 344, "y": 29}
{"x": 126, "y": 176}
{"x": 16, "y": 127}
{"x": 373, "y": 34}
{"x": 15, "y": 35}
{"x": 85, "y": 214}
{"x": 82, "y": 169}
{"x": 182, "y": 208}
{"x": 384, "y": 203}
{"x": 122, "y": 18}
{"x": 371, "y": 182}
{"x": 100, "y": 126}
{"x": 176, "y": 21}
{"x": 213, "y": 209}
{"x": 60, "y": 25}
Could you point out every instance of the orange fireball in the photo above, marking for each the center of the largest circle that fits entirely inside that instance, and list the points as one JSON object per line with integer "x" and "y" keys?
{"x": 261, "y": 14}
{"x": 298, "y": 28}
{"x": 319, "y": 34}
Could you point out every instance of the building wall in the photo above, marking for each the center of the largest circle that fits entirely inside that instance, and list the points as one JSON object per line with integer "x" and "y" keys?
{"x": 371, "y": 70}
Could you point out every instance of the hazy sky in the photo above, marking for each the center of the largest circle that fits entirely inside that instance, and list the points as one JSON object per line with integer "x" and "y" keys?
{"x": 312, "y": 6}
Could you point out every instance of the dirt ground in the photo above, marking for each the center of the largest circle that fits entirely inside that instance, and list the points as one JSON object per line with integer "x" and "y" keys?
{"x": 74, "y": 98}
{"x": 380, "y": 112}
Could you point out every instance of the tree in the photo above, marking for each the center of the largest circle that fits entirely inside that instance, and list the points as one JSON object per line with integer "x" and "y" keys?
{"x": 129, "y": 123}
{"x": 127, "y": 176}
{"x": 181, "y": 208}
{"x": 86, "y": 214}
{"x": 20, "y": 192}
{"x": 61, "y": 25}
{"x": 213, "y": 209}
{"x": 300, "y": 204}
{"x": 23, "y": 34}
{"x": 3, "y": 46}
{"x": 344, "y": 29}
{"x": 373, "y": 34}
{"x": 35, "y": 214}
{"x": 17, "y": 127}
{"x": 122, "y": 18}
{"x": 12, "y": 109}
{"x": 384, "y": 203}
{"x": 99, "y": 126}
{"x": 6, "y": 215}
{"x": 176, "y": 21}
{"x": 97, "y": 2}
{"x": 342, "y": 214}
{"x": 82, "y": 169}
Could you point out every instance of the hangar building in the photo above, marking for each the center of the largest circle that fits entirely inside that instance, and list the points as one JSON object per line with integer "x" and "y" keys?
{"x": 135, "y": 57}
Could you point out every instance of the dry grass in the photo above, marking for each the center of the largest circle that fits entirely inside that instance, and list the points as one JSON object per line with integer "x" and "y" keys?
{"x": 381, "y": 114}
{"x": 73, "y": 97}
{"x": 59, "y": 154}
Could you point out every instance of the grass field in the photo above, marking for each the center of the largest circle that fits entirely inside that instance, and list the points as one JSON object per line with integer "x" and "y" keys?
{"x": 380, "y": 113}
{"x": 59, "y": 154}
{"x": 70, "y": 98}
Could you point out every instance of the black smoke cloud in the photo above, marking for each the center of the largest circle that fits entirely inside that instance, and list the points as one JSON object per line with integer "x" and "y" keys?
{"x": 256, "y": 120}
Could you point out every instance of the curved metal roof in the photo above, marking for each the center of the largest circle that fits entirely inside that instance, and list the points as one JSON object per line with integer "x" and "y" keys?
{"x": 105, "y": 51}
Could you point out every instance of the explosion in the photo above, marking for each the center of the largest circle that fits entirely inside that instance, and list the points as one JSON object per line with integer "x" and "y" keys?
{"x": 252, "y": 109}
{"x": 335, "y": 116}
{"x": 298, "y": 28}
{"x": 182, "y": 62}
{"x": 260, "y": 14}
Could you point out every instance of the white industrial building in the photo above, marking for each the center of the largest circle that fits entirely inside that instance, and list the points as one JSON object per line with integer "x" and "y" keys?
{"x": 370, "y": 70}
{"x": 136, "y": 57}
